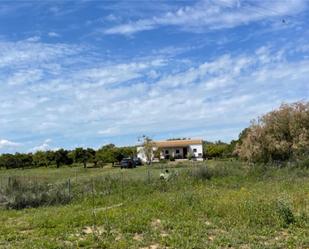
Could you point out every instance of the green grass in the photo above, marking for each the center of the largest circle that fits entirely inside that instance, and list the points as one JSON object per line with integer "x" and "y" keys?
{"x": 232, "y": 207}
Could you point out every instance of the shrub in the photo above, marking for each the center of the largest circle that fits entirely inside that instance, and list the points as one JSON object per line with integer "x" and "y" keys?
{"x": 280, "y": 135}
{"x": 285, "y": 212}
{"x": 20, "y": 194}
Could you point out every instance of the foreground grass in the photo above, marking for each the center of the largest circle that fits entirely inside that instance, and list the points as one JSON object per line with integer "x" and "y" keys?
{"x": 235, "y": 208}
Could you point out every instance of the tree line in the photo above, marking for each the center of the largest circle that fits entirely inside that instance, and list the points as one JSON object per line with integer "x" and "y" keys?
{"x": 106, "y": 154}
{"x": 280, "y": 135}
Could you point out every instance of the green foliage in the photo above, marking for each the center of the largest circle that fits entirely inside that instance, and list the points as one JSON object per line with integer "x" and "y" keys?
{"x": 235, "y": 208}
{"x": 62, "y": 158}
{"x": 81, "y": 155}
{"x": 40, "y": 159}
{"x": 18, "y": 160}
{"x": 285, "y": 212}
{"x": 219, "y": 149}
{"x": 107, "y": 154}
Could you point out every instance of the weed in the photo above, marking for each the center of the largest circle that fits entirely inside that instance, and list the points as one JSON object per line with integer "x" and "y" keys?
{"x": 285, "y": 212}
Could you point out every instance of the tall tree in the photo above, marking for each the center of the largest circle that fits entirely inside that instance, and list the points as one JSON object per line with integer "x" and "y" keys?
{"x": 279, "y": 135}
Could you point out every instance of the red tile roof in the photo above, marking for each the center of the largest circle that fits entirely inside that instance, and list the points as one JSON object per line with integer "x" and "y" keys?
{"x": 177, "y": 143}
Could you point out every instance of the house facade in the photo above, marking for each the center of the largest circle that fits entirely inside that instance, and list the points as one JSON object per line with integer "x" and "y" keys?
{"x": 177, "y": 149}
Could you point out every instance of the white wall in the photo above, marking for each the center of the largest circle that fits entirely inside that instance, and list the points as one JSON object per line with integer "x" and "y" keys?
{"x": 141, "y": 153}
{"x": 172, "y": 152}
{"x": 198, "y": 148}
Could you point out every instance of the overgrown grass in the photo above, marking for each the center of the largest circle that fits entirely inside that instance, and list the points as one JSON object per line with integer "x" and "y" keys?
{"x": 204, "y": 205}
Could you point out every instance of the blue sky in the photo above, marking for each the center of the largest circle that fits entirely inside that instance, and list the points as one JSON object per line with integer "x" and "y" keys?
{"x": 86, "y": 73}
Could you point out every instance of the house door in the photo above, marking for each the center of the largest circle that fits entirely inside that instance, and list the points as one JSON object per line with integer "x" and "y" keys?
{"x": 185, "y": 152}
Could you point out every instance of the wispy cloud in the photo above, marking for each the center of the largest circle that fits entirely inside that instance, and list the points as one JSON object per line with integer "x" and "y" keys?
{"x": 209, "y": 15}
{"x": 53, "y": 34}
{"x": 25, "y": 52}
{"x": 61, "y": 80}
{"x": 4, "y": 144}
{"x": 58, "y": 92}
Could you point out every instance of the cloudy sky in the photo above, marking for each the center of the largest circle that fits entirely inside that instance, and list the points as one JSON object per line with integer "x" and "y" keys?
{"x": 86, "y": 73}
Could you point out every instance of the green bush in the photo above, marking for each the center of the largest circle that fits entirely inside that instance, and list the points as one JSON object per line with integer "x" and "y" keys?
{"x": 285, "y": 212}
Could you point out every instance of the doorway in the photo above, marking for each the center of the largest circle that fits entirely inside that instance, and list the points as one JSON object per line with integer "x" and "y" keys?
{"x": 185, "y": 152}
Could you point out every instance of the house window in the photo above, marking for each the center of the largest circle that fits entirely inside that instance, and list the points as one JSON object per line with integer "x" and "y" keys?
{"x": 194, "y": 150}
{"x": 166, "y": 152}
{"x": 177, "y": 151}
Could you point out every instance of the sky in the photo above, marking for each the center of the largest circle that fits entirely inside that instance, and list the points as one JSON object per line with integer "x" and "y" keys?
{"x": 87, "y": 73}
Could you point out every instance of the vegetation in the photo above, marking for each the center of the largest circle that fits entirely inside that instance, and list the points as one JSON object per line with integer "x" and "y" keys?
{"x": 148, "y": 146}
{"x": 106, "y": 154}
{"x": 232, "y": 205}
{"x": 281, "y": 135}
{"x": 210, "y": 204}
{"x": 219, "y": 149}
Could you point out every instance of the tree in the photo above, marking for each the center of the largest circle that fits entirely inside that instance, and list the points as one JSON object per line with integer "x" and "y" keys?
{"x": 81, "y": 155}
{"x": 107, "y": 154}
{"x": 279, "y": 135}
{"x": 148, "y": 146}
{"x": 24, "y": 160}
{"x": 61, "y": 157}
{"x": 50, "y": 155}
{"x": 157, "y": 153}
{"x": 8, "y": 161}
{"x": 40, "y": 159}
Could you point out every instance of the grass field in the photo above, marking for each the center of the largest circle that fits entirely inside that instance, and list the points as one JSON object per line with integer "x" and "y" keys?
{"x": 228, "y": 205}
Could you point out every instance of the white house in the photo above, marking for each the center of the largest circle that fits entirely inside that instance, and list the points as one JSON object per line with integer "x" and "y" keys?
{"x": 178, "y": 149}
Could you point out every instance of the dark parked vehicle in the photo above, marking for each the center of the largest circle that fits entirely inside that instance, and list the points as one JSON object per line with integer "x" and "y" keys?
{"x": 137, "y": 161}
{"x": 127, "y": 163}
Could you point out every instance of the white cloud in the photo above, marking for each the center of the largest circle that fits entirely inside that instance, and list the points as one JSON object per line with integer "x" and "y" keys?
{"x": 34, "y": 39}
{"x": 207, "y": 15}
{"x": 43, "y": 147}
{"x": 4, "y": 144}
{"x": 53, "y": 34}
{"x": 24, "y": 77}
{"x": 25, "y": 53}
{"x": 76, "y": 103}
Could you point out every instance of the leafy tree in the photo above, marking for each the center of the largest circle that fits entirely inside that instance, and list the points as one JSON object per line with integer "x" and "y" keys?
{"x": 24, "y": 160}
{"x": 50, "y": 155}
{"x": 61, "y": 157}
{"x": 8, "y": 161}
{"x": 107, "y": 154}
{"x": 40, "y": 159}
{"x": 81, "y": 155}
